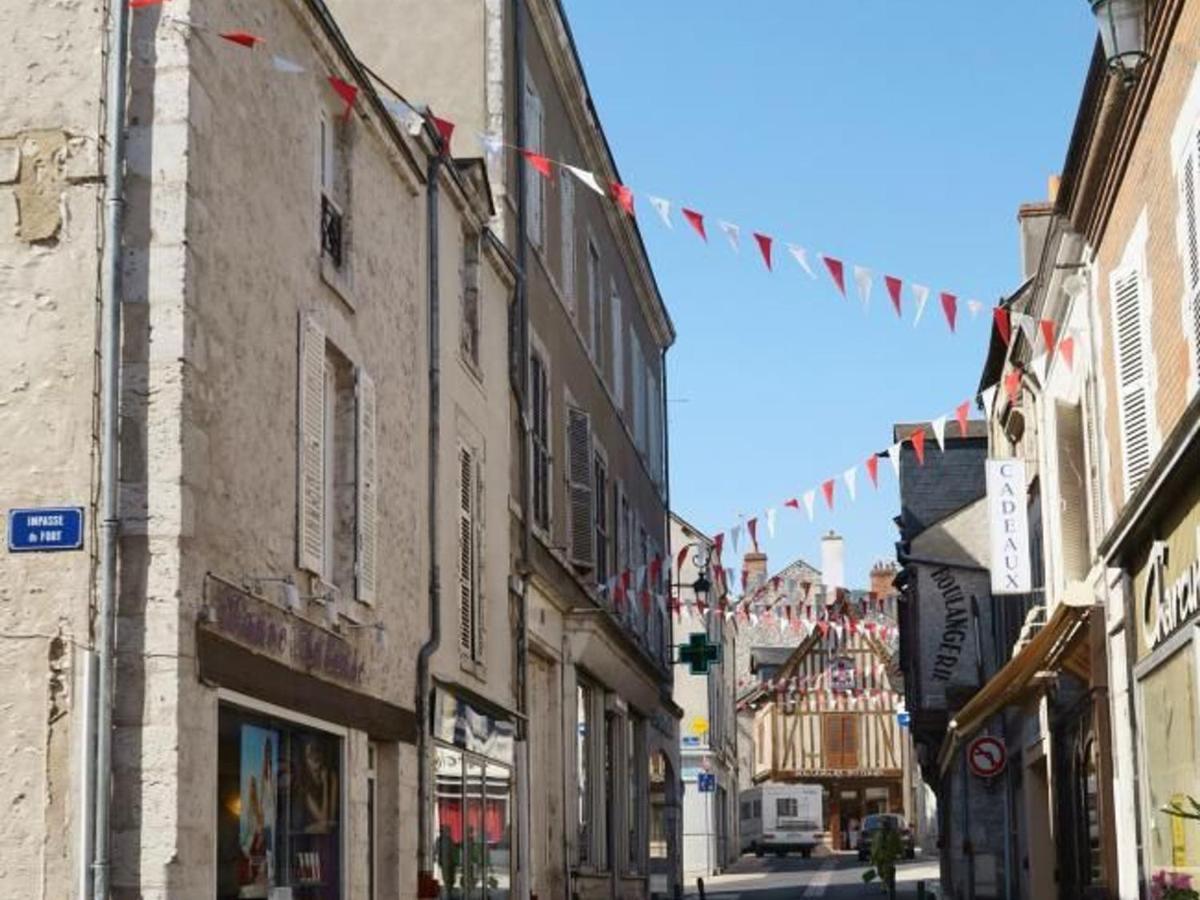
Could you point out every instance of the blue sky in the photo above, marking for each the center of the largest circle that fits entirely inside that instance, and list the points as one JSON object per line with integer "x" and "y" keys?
{"x": 898, "y": 134}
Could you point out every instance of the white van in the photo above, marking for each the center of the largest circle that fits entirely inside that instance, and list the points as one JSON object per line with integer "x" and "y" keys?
{"x": 781, "y": 818}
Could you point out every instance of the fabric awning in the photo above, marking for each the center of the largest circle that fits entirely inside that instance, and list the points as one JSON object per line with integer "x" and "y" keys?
{"x": 1061, "y": 643}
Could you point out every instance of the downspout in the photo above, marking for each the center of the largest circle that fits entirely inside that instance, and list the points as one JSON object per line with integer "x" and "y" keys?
{"x": 425, "y": 881}
{"x": 524, "y": 566}
{"x": 100, "y": 754}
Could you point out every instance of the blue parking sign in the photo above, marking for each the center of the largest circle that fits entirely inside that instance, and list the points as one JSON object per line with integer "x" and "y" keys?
{"x": 706, "y": 782}
{"x": 43, "y": 530}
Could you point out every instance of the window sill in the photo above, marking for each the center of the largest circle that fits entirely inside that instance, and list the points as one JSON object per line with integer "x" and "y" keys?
{"x": 338, "y": 280}
{"x": 473, "y": 667}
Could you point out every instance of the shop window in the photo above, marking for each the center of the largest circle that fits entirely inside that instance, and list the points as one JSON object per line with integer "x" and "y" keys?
{"x": 472, "y": 851}
{"x": 279, "y": 824}
{"x": 635, "y": 768}
{"x": 584, "y": 694}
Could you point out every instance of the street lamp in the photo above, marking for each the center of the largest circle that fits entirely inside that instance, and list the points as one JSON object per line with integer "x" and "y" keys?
{"x": 1123, "y": 34}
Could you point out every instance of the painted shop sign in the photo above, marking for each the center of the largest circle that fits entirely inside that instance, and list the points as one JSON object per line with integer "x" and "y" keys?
{"x": 954, "y": 632}
{"x": 1168, "y": 605}
{"x": 1012, "y": 572}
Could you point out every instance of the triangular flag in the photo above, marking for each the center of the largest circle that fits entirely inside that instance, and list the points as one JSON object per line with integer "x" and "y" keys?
{"x": 244, "y": 38}
{"x": 1048, "y": 334}
{"x": 894, "y": 456}
{"x": 733, "y": 232}
{"x": 837, "y": 271}
{"x": 680, "y": 558}
{"x": 809, "y": 499}
{"x": 539, "y": 162}
{"x": 801, "y": 257}
{"x": 950, "y": 308}
{"x": 1012, "y": 384}
{"x": 862, "y": 278}
{"x": 764, "y": 247}
{"x": 586, "y": 177}
{"x": 140, "y": 4}
{"x": 344, "y": 89}
{"x": 922, "y": 294}
{"x": 918, "y": 442}
{"x": 975, "y": 307}
{"x": 283, "y": 64}
{"x": 663, "y": 208}
{"x": 1003, "y": 324}
{"x": 895, "y": 289}
{"x": 872, "y": 464}
{"x": 1028, "y": 325}
{"x": 445, "y": 130}
{"x": 988, "y": 398}
{"x": 793, "y": 503}
{"x": 771, "y": 523}
{"x": 696, "y": 220}
{"x": 623, "y": 196}
{"x": 827, "y": 490}
{"x": 735, "y": 534}
{"x": 492, "y": 144}
{"x": 960, "y": 415}
{"x": 752, "y": 528}
{"x": 718, "y": 545}
{"x": 939, "y": 431}
{"x": 414, "y": 123}
{"x": 1067, "y": 348}
{"x": 850, "y": 476}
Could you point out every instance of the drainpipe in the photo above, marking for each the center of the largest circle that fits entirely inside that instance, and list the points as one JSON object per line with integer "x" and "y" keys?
{"x": 100, "y": 754}
{"x": 424, "y": 722}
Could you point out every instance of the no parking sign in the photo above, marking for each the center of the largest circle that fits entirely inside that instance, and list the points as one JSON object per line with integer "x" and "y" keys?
{"x": 986, "y": 756}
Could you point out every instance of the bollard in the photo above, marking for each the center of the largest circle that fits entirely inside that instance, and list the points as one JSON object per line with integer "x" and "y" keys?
{"x": 700, "y": 887}
{"x": 921, "y": 889}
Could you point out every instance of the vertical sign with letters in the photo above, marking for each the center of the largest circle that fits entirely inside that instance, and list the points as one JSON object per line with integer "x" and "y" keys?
{"x": 1009, "y": 521}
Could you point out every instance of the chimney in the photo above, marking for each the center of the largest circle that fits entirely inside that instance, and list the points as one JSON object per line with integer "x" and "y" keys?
{"x": 833, "y": 561}
{"x": 1033, "y": 221}
{"x": 882, "y": 575}
{"x": 754, "y": 565}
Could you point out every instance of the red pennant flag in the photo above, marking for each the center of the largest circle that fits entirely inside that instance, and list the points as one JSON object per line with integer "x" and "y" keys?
{"x": 837, "y": 271}
{"x": 1003, "y": 324}
{"x": 139, "y": 4}
{"x": 793, "y": 503}
{"x": 1067, "y": 348}
{"x": 696, "y": 221}
{"x": 348, "y": 92}
{"x": 1048, "y": 333}
{"x": 873, "y": 469}
{"x": 752, "y": 527}
{"x": 827, "y": 490}
{"x": 646, "y": 602}
{"x": 1012, "y": 385}
{"x": 918, "y": 442}
{"x": 960, "y": 415}
{"x": 655, "y": 570}
{"x": 539, "y": 162}
{"x": 718, "y": 543}
{"x": 623, "y": 196}
{"x": 950, "y": 308}
{"x": 894, "y": 288}
{"x": 244, "y": 38}
{"x": 445, "y": 130}
{"x": 764, "y": 247}
{"x": 680, "y": 558}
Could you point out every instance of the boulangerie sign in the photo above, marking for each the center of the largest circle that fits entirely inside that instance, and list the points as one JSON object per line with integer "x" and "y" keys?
{"x": 1011, "y": 570}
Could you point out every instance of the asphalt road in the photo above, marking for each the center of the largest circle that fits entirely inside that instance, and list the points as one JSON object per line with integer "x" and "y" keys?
{"x": 792, "y": 878}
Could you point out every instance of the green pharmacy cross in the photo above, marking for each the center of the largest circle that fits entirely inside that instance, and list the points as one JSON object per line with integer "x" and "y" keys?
{"x": 699, "y": 654}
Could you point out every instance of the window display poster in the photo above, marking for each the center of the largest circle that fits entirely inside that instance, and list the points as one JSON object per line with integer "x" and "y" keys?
{"x": 260, "y": 767}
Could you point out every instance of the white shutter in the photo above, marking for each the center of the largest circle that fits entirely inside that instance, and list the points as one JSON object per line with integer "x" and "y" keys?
{"x": 566, "y": 188}
{"x": 466, "y": 552}
{"x": 618, "y": 351}
{"x": 310, "y": 517}
{"x": 1132, "y": 383}
{"x": 366, "y": 494}
{"x": 534, "y": 187}
{"x": 579, "y": 473}
{"x": 1192, "y": 214}
{"x": 1095, "y": 473}
{"x": 1072, "y": 491}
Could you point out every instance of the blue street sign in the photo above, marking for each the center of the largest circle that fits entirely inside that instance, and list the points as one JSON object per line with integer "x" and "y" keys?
{"x": 903, "y": 718}
{"x": 706, "y": 782}
{"x": 52, "y": 528}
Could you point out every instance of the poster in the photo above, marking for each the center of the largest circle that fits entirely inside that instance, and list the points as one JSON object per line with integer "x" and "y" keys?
{"x": 1008, "y": 518}
{"x": 260, "y": 767}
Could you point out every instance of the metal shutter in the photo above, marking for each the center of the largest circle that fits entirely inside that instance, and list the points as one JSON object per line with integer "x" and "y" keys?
{"x": 366, "y": 530}
{"x": 466, "y": 552}
{"x": 579, "y": 474}
{"x": 310, "y": 518}
{"x": 1132, "y": 383}
{"x": 1072, "y": 491}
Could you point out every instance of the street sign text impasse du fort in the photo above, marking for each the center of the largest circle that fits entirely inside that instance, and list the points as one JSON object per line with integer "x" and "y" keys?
{"x": 52, "y": 528}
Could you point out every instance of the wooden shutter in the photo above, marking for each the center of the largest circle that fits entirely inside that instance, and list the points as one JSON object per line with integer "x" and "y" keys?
{"x": 1072, "y": 491}
{"x": 566, "y": 188}
{"x": 366, "y": 495}
{"x": 310, "y": 518}
{"x": 466, "y": 552}
{"x": 1132, "y": 382}
{"x": 618, "y": 350}
{"x": 579, "y": 474}
{"x": 841, "y": 742}
{"x": 534, "y": 188}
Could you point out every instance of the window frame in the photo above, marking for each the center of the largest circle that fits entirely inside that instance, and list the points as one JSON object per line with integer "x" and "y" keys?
{"x": 541, "y": 443}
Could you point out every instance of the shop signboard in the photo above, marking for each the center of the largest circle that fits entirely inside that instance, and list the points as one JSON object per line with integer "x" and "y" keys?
{"x": 1008, "y": 518}
{"x": 1167, "y": 604}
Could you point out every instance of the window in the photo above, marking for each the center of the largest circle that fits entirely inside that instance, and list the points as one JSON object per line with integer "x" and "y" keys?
{"x": 566, "y": 188}
{"x": 469, "y": 547}
{"x": 786, "y": 808}
{"x": 618, "y": 349}
{"x": 579, "y": 474}
{"x": 473, "y": 825}
{"x": 336, "y": 525}
{"x": 468, "y": 325}
{"x": 758, "y": 809}
{"x": 1133, "y": 392}
{"x": 637, "y": 363}
{"x": 372, "y": 823}
{"x": 600, "y": 486}
{"x": 535, "y": 186}
{"x": 624, "y": 529}
{"x": 654, "y": 439}
{"x": 841, "y": 742}
{"x": 279, "y": 815}
{"x": 583, "y": 768}
{"x": 329, "y": 164}
{"x": 1191, "y": 245}
{"x": 539, "y": 402}
{"x": 635, "y": 769}
{"x": 747, "y": 809}
{"x": 1072, "y": 492}
{"x": 595, "y": 316}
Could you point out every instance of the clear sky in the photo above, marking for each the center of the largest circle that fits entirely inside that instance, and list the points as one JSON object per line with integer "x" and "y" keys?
{"x": 897, "y": 134}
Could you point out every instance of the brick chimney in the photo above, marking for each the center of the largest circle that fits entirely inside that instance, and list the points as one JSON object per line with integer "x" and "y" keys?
{"x": 754, "y": 565}
{"x": 882, "y": 574}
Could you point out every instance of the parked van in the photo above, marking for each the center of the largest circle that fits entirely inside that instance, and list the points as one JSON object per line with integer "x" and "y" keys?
{"x": 781, "y": 818}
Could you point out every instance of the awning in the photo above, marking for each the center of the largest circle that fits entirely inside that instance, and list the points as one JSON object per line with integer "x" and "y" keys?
{"x": 1061, "y": 643}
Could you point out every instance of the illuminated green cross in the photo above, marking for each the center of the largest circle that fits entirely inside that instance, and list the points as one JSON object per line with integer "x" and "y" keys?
{"x": 699, "y": 654}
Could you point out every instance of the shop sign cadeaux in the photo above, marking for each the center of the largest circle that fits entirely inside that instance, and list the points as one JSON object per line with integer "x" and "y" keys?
{"x": 1011, "y": 569}
{"x": 1165, "y": 607}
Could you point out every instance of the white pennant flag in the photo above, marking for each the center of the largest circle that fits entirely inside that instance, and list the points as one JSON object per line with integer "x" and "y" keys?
{"x": 1028, "y": 325}
{"x": 810, "y": 497}
{"x": 734, "y": 534}
{"x": 801, "y": 256}
{"x": 492, "y": 144}
{"x": 939, "y": 431}
{"x": 771, "y": 523}
{"x": 894, "y": 456}
{"x": 734, "y": 233}
{"x": 862, "y": 277}
{"x": 922, "y": 294}
{"x": 283, "y": 64}
{"x": 586, "y": 177}
{"x": 975, "y": 307}
{"x": 988, "y": 397}
{"x": 663, "y": 208}
{"x": 850, "y": 476}
{"x": 1041, "y": 364}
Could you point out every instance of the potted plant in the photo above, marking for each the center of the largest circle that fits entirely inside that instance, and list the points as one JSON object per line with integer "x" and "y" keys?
{"x": 886, "y": 850}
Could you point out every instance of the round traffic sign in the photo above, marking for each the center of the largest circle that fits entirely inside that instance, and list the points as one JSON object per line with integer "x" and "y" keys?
{"x": 986, "y": 756}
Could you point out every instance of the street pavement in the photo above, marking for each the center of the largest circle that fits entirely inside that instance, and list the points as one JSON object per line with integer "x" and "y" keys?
{"x": 837, "y": 877}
